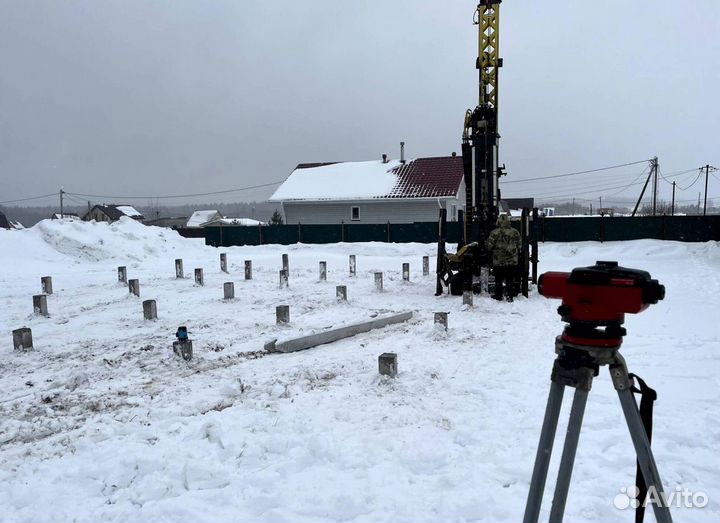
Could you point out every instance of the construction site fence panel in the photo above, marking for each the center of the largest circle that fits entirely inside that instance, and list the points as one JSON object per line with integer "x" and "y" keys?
{"x": 550, "y": 229}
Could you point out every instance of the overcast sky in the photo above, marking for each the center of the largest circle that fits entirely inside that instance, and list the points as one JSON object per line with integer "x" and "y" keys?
{"x": 129, "y": 97}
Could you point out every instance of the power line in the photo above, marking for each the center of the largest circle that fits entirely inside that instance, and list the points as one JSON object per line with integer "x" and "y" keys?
{"x": 694, "y": 182}
{"x": 597, "y": 189}
{"x": 576, "y": 173}
{"x": 634, "y": 182}
{"x": 176, "y": 195}
{"x": 31, "y": 198}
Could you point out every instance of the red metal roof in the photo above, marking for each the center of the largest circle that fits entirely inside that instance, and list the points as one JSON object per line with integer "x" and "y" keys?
{"x": 428, "y": 178}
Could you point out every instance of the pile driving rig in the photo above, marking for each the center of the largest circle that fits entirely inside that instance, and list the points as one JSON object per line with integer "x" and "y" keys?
{"x": 469, "y": 267}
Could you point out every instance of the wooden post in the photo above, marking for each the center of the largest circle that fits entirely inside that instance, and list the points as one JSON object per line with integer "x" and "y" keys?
{"x": 46, "y": 284}
{"x": 353, "y": 265}
{"x": 223, "y": 262}
{"x": 406, "y": 272}
{"x": 229, "y": 290}
{"x": 286, "y": 264}
{"x": 468, "y": 297}
{"x": 441, "y": 319}
{"x": 179, "y": 269}
{"x": 282, "y": 314}
{"x": 150, "y": 310}
{"x": 426, "y": 265}
{"x": 184, "y": 349}
{"x": 341, "y": 292}
{"x": 387, "y": 364}
{"x": 379, "y": 281}
{"x": 323, "y": 271}
{"x": 134, "y": 287}
{"x": 199, "y": 278}
{"x": 283, "y": 278}
{"x": 122, "y": 275}
{"x": 248, "y": 269}
{"x": 22, "y": 339}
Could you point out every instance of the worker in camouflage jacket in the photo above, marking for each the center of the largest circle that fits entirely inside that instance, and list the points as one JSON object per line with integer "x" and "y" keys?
{"x": 504, "y": 243}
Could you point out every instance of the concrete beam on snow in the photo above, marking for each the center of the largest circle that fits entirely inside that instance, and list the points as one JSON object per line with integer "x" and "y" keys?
{"x": 332, "y": 335}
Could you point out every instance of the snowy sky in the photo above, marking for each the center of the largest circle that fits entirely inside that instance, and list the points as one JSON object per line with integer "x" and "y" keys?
{"x": 130, "y": 97}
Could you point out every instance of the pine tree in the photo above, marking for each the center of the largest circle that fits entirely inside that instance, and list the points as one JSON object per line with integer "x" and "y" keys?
{"x": 276, "y": 218}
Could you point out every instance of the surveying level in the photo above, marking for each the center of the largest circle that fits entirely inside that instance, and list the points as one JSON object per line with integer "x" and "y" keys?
{"x": 594, "y": 303}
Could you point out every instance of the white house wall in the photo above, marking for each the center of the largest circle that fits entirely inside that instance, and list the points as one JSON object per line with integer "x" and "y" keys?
{"x": 371, "y": 211}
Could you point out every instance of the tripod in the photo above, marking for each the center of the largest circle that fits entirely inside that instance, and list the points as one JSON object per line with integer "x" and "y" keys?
{"x": 578, "y": 360}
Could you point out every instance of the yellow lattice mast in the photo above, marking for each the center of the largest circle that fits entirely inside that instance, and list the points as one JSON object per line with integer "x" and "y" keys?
{"x": 480, "y": 133}
{"x": 488, "y": 18}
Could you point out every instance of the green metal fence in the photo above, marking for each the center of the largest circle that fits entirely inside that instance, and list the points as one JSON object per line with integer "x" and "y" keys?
{"x": 556, "y": 229}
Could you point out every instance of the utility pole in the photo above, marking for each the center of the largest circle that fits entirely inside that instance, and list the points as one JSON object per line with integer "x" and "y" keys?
{"x": 672, "y": 209}
{"x": 62, "y": 214}
{"x": 601, "y": 203}
{"x": 655, "y": 184}
{"x": 642, "y": 193}
{"x": 708, "y": 168}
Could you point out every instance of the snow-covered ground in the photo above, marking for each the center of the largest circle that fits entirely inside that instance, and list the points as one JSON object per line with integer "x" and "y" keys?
{"x": 102, "y": 422}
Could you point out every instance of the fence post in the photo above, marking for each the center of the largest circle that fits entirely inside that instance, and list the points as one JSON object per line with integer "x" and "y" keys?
{"x": 388, "y": 231}
{"x": 525, "y": 227}
{"x": 534, "y": 245}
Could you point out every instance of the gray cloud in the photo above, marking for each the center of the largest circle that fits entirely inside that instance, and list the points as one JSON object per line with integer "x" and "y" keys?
{"x": 167, "y": 97}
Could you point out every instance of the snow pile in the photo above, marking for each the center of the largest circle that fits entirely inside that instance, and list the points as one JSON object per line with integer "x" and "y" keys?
{"x": 345, "y": 180}
{"x": 126, "y": 239}
{"x": 102, "y": 422}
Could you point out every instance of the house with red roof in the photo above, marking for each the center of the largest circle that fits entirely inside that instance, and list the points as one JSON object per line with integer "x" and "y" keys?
{"x": 378, "y": 191}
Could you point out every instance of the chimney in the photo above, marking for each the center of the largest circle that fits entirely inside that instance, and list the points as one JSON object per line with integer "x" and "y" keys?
{"x": 402, "y": 153}
{"x": 384, "y": 157}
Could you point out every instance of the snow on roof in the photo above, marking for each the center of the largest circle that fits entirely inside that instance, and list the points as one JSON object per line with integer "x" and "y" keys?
{"x": 346, "y": 180}
{"x": 127, "y": 210}
{"x": 232, "y": 221}
{"x": 200, "y": 217}
{"x": 420, "y": 178}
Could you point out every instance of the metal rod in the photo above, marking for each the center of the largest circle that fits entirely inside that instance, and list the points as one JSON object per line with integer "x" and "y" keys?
{"x": 544, "y": 452}
{"x": 644, "y": 453}
{"x": 577, "y": 411}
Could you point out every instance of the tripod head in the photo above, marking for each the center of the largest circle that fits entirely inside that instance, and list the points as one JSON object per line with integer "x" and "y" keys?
{"x": 595, "y": 300}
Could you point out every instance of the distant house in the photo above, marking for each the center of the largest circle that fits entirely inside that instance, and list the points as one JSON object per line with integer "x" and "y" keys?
{"x": 4, "y": 223}
{"x": 221, "y": 222}
{"x": 8, "y": 224}
{"x": 65, "y": 215}
{"x": 112, "y": 213}
{"x": 200, "y": 217}
{"x": 373, "y": 192}
{"x": 169, "y": 222}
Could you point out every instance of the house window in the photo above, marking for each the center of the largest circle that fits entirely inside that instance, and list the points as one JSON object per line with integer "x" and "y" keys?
{"x": 355, "y": 213}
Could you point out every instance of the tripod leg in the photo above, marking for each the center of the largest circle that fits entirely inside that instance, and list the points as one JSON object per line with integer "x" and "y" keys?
{"x": 644, "y": 453}
{"x": 572, "y": 437}
{"x": 544, "y": 451}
